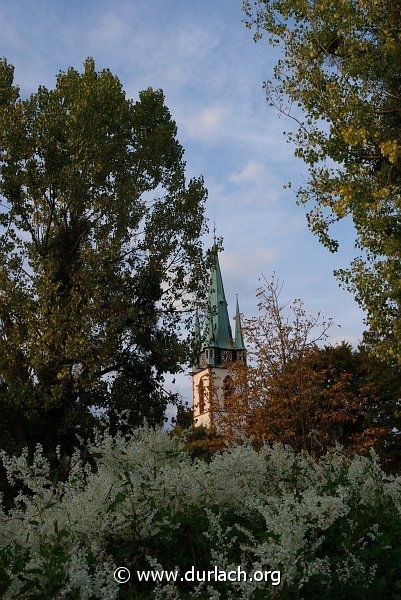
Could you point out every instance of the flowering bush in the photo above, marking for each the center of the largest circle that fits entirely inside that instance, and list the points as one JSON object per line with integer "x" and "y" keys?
{"x": 331, "y": 527}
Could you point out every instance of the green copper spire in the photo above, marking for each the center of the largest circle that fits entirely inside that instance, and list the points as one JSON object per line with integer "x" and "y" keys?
{"x": 217, "y": 328}
{"x": 239, "y": 339}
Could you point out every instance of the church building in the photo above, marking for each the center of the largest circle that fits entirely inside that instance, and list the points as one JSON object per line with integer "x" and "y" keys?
{"x": 211, "y": 380}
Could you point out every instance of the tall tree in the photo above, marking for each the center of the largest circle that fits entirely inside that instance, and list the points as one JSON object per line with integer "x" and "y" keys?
{"x": 100, "y": 253}
{"x": 339, "y": 78}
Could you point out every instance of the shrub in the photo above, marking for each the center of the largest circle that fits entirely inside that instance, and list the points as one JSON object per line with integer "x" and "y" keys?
{"x": 331, "y": 527}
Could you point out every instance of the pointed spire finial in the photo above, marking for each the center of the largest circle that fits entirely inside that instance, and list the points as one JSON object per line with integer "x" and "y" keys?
{"x": 217, "y": 325}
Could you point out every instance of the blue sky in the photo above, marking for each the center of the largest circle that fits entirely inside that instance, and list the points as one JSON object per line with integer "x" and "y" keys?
{"x": 200, "y": 53}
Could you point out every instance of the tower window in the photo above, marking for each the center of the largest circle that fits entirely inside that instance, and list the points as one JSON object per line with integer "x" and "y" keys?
{"x": 201, "y": 397}
{"x": 228, "y": 388}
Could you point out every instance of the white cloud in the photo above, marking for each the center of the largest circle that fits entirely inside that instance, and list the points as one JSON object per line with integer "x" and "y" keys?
{"x": 253, "y": 172}
{"x": 235, "y": 264}
{"x": 109, "y": 30}
{"x": 208, "y": 123}
{"x": 171, "y": 58}
{"x": 262, "y": 196}
{"x": 9, "y": 32}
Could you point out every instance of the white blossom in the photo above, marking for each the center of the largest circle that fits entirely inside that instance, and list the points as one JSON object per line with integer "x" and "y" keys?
{"x": 271, "y": 509}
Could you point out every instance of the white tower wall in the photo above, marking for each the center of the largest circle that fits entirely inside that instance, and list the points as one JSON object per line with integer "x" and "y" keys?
{"x": 213, "y": 400}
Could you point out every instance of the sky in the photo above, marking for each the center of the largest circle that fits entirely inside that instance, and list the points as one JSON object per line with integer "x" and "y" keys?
{"x": 211, "y": 71}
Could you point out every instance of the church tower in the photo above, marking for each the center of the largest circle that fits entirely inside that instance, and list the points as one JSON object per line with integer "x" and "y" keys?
{"x": 211, "y": 380}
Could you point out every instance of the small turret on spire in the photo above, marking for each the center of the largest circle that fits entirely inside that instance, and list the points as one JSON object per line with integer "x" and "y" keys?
{"x": 239, "y": 338}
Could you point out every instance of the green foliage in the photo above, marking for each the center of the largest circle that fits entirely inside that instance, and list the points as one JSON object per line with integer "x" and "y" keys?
{"x": 99, "y": 244}
{"x": 185, "y": 415}
{"x": 331, "y": 526}
{"x": 339, "y": 78}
